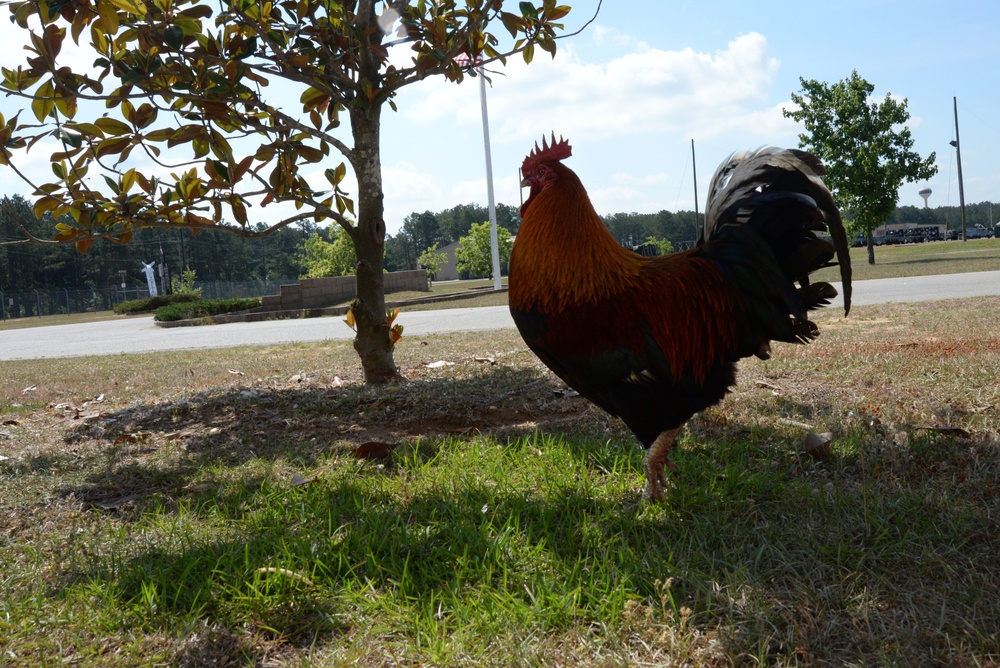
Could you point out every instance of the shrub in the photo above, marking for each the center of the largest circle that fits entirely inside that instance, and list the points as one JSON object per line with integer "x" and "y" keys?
{"x": 185, "y": 285}
{"x": 152, "y": 303}
{"x": 203, "y": 308}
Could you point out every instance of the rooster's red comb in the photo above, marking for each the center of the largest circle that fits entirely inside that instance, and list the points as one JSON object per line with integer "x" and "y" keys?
{"x": 557, "y": 150}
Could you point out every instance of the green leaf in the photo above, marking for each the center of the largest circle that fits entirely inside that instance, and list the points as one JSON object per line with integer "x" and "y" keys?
{"x": 109, "y": 17}
{"x": 133, "y": 77}
{"x": 43, "y": 104}
{"x": 71, "y": 137}
{"x": 557, "y": 13}
{"x": 112, "y": 146}
{"x": 112, "y": 126}
{"x": 112, "y": 184}
{"x": 528, "y": 10}
{"x": 335, "y": 176}
{"x": 174, "y": 37}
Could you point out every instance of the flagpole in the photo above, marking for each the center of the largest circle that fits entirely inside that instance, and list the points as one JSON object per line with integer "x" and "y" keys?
{"x": 494, "y": 243}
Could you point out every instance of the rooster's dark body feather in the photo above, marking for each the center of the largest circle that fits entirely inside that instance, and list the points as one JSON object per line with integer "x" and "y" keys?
{"x": 655, "y": 340}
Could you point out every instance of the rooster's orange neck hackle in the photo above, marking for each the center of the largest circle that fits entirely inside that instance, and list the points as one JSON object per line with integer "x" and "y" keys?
{"x": 574, "y": 258}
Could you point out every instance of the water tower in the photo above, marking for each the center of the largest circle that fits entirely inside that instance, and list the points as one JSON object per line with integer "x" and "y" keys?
{"x": 925, "y": 193}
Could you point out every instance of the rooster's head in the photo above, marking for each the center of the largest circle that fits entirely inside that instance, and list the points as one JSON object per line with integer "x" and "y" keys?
{"x": 536, "y": 170}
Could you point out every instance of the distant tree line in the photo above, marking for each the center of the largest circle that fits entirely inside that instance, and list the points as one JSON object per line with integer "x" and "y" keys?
{"x": 982, "y": 213}
{"x": 632, "y": 230}
{"x": 421, "y": 231}
{"x": 216, "y": 256}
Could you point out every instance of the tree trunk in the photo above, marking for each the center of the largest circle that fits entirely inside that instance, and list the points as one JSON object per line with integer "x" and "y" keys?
{"x": 871, "y": 248}
{"x": 372, "y": 342}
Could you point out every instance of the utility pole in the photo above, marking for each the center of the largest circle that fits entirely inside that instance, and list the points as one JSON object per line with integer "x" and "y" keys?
{"x": 694, "y": 172}
{"x": 958, "y": 156}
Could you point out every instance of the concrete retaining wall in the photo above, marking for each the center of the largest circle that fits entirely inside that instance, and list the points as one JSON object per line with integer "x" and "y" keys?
{"x": 312, "y": 293}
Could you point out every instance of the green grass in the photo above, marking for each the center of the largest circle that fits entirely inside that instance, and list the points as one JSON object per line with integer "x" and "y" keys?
{"x": 154, "y": 509}
{"x": 49, "y": 320}
{"x": 940, "y": 257}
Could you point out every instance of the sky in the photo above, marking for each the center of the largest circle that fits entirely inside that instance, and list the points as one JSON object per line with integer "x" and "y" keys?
{"x": 647, "y": 77}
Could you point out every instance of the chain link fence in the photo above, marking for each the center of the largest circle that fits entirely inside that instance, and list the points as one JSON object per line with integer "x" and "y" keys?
{"x": 63, "y": 301}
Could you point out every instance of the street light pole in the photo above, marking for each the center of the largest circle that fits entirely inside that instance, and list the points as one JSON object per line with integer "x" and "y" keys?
{"x": 494, "y": 242}
{"x": 694, "y": 173}
{"x": 958, "y": 156}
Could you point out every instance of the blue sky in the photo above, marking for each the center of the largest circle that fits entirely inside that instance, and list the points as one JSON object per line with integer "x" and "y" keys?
{"x": 648, "y": 76}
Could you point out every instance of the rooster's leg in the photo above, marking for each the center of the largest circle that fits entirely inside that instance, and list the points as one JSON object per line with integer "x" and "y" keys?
{"x": 656, "y": 460}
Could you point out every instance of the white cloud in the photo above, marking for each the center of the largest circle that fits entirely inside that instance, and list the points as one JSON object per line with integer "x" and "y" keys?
{"x": 645, "y": 90}
{"x": 409, "y": 189}
{"x": 605, "y": 36}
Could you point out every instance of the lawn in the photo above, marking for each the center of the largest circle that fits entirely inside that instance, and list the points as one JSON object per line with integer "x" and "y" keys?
{"x": 261, "y": 506}
{"x": 939, "y": 257}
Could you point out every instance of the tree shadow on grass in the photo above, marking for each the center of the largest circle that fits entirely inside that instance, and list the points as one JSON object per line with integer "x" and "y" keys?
{"x": 781, "y": 560}
{"x": 750, "y": 552}
{"x": 547, "y": 555}
{"x": 149, "y": 449}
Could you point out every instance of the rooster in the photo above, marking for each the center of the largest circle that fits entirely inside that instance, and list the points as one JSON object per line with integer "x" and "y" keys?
{"x": 655, "y": 340}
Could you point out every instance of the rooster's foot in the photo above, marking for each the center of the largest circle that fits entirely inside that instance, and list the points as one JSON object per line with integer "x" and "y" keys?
{"x": 654, "y": 464}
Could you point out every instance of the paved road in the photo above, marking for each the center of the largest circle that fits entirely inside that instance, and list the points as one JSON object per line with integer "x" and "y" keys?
{"x": 141, "y": 335}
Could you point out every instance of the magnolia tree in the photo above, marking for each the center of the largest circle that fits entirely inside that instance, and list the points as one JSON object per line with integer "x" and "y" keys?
{"x": 184, "y": 86}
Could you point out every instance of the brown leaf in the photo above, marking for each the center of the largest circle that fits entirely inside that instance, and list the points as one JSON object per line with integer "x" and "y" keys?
{"x": 818, "y": 445}
{"x": 374, "y": 450}
{"x": 286, "y": 572}
{"x": 767, "y": 385}
{"x": 795, "y": 423}
{"x": 115, "y": 504}
{"x": 11, "y": 422}
{"x": 200, "y": 487}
